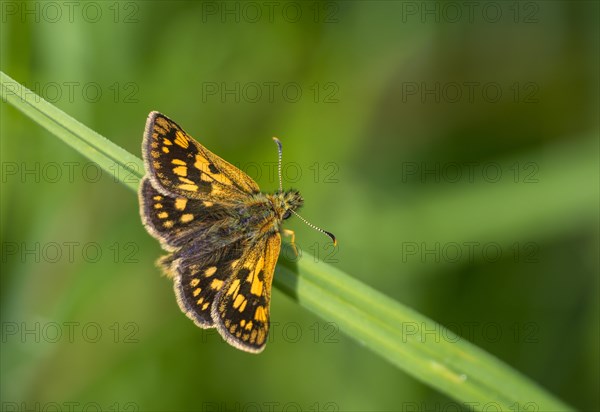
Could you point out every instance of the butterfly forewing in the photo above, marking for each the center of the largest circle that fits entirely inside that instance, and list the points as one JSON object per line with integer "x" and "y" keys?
{"x": 180, "y": 166}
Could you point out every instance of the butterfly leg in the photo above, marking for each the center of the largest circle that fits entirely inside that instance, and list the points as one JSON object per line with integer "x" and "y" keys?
{"x": 292, "y": 234}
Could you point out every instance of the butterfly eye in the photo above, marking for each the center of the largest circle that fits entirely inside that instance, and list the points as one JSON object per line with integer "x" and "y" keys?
{"x": 287, "y": 214}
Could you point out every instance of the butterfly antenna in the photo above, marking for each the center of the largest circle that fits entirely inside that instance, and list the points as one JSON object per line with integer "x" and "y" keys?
{"x": 280, "y": 150}
{"x": 331, "y": 236}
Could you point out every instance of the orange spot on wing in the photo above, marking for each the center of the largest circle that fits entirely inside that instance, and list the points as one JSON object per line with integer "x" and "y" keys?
{"x": 260, "y": 314}
{"x": 180, "y": 203}
{"x": 188, "y": 217}
{"x": 181, "y": 140}
{"x": 188, "y": 187}
{"x": 216, "y": 284}
{"x": 180, "y": 170}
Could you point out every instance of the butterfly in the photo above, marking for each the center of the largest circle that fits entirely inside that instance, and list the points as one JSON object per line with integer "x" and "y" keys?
{"x": 222, "y": 233}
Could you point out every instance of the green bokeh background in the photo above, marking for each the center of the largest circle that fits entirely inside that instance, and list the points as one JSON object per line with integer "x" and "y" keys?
{"x": 409, "y": 175}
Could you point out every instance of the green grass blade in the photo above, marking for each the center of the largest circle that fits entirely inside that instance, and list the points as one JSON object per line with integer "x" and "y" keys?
{"x": 412, "y": 342}
{"x": 106, "y": 154}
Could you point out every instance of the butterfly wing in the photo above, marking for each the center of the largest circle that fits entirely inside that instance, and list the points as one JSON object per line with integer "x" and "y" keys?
{"x": 179, "y": 166}
{"x": 176, "y": 221}
{"x": 241, "y": 308}
{"x": 200, "y": 277}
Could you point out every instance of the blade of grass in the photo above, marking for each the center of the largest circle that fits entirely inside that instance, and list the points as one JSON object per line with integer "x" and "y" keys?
{"x": 412, "y": 342}
{"x": 92, "y": 145}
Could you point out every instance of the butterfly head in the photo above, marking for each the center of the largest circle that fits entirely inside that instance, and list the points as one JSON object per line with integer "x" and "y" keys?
{"x": 288, "y": 202}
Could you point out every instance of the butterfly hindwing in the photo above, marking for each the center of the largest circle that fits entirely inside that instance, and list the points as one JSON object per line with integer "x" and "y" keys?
{"x": 176, "y": 221}
{"x": 199, "y": 278}
{"x": 241, "y": 309}
{"x": 179, "y": 165}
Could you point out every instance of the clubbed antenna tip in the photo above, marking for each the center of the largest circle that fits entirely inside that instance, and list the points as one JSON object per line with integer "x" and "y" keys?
{"x": 331, "y": 236}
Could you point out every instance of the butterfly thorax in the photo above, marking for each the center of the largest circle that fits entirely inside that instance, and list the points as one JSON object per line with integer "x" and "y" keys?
{"x": 262, "y": 213}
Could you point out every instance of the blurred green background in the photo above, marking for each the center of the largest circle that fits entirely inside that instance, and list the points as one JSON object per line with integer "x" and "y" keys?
{"x": 452, "y": 148}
